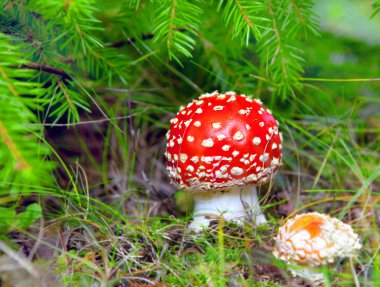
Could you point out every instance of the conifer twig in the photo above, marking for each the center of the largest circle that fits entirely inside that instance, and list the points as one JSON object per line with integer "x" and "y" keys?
{"x": 47, "y": 69}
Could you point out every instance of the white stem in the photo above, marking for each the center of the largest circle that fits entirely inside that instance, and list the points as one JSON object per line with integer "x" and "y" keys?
{"x": 312, "y": 274}
{"x": 233, "y": 204}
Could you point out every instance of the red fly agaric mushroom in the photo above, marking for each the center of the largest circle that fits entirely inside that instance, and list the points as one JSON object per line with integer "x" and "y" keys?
{"x": 314, "y": 239}
{"x": 219, "y": 147}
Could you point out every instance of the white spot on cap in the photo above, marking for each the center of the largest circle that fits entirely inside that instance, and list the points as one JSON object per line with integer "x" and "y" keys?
{"x": 179, "y": 140}
{"x": 171, "y": 143}
{"x": 238, "y": 136}
{"x": 264, "y": 157}
{"x": 248, "y": 127}
{"x": 274, "y": 146}
{"x": 199, "y": 102}
{"x": 218, "y": 174}
{"x": 318, "y": 243}
{"x": 207, "y": 159}
{"x": 208, "y": 142}
{"x": 208, "y": 95}
{"x": 201, "y": 174}
{"x": 197, "y": 123}
{"x": 232, "y": 98}
{"x": 221, "y": 137}
{"x": 190, "y": 138}
{"x": 174, "y": 120}
{"x": 261, "y": 124}
{"x": 267, "y": 137}
{"x": 301, "y": 235}
{"x": 187, "y": 123}
{"x": 235, "y": 153}
{"x": 190, "y": 168}
{"x": 236, "y": 171}
{"x": 270, "y": 130}
{"x": 256, "y": 141}
{"x": 175, "y": 157}
{"x": 199, "y": 111}
{"x": 183, "y": 157}
{"x": 218, "y": 108}
{"x": 275, "y": 162}
{"x": 251, "y": 177}
{"x": 301, "y": 254}
{"x": 269, "y": 111}
{"x": 226, "y": 147}
{"x": 298, "y": 243}
{"x": 221, "y": 97}
{"x": 252, "y": 157}
{"x": 194, "y": 159}
{"x": 248, "y": 99}
{"x": 308, "y": 248}
{"x": 216, "y": 125}
{"x": 258, "y": 101}
{"x": 224, "y": 168}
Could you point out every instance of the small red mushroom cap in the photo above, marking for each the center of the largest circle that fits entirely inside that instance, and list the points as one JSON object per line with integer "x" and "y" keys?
{"x": 223, "y": 140}
{"x": 315, "y": 239}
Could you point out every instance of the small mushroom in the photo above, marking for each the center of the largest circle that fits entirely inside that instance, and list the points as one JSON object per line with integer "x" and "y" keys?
{"x": 219, "y": 147}
{"x": 313, "y": 239}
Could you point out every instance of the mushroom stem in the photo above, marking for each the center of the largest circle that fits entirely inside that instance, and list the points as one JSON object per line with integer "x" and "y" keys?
{"x": 233, "y": 204}
{"x": 310, "y": 273}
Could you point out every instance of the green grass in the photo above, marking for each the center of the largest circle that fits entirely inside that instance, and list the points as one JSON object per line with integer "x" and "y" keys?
{"x": 118, "y": 220}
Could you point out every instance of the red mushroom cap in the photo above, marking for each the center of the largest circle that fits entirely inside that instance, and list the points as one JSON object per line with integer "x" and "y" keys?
{"x": 223, "y": 140}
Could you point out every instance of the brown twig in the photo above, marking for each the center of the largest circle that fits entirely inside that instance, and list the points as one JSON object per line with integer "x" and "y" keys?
{"x": 47, "y": 69}
{"x": 129, "y": 41}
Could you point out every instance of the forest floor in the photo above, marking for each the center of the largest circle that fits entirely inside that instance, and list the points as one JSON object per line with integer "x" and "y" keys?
{"x": 119, "y": 222}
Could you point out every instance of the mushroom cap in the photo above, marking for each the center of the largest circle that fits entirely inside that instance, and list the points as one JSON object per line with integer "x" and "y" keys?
{"x": 222, "y": 140}
{"x": 314, "y": 239}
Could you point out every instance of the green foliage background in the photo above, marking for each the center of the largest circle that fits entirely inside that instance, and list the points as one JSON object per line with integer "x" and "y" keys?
{"x": 129, "y": 64}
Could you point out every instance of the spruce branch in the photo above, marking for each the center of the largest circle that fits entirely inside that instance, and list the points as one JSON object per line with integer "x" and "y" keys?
{"x": 307, "y": 19}
{"x": 77, "y": 35}
{"x": 245, "y": 17}
{"x": 47, "y": 69}
{"x": 22, "y": 155}
{"x": 21, "y": 163}
{"x": 172, "y": 17}
{"x": 376, "y": 7}
{"x": 66, "y": 100}
{"x": 131, "y": 40}
{"x": 279, "y": 46}
{"x": 6, "y": 79}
